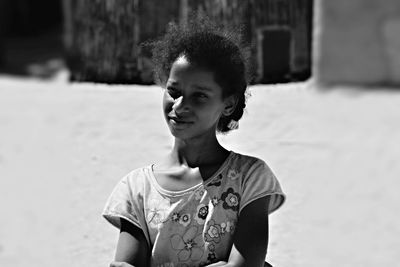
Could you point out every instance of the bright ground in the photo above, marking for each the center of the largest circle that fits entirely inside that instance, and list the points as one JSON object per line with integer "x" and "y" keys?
{"x": 63, "y": 148}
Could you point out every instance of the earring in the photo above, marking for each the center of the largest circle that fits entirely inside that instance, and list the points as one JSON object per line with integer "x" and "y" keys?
{"x": 233, "y": 125}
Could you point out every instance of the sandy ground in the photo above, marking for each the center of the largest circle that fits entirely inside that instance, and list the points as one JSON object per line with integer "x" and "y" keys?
{"x": 63, "y": 147}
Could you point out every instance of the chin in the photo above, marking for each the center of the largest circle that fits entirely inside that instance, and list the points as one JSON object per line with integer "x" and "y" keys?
{"x": 190, "y": 134}
{"x": 184, "y": 135}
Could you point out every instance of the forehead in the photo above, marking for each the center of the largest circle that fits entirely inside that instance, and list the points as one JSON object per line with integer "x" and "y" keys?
{"x": 185, "y": 72}
{"x": 183, "y": 65}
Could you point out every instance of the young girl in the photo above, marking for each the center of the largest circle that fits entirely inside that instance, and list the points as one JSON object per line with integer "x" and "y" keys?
{"x": 203, "y": 205}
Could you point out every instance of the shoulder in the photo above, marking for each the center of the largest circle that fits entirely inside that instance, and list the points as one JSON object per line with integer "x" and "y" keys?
{"x": 250, "y": 165}
{"x": 136, "y": 180}
{"x": 126, "y": 199}
{"x": 257, "y": 181}
{"x": 137, "y": 175}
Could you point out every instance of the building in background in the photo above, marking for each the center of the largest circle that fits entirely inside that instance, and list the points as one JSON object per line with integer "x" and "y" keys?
{"x": 279, "y": 32}
{"x": 102, "y": 38}
{"x": 357, "y": 42}
{"x": 31, "y": 37}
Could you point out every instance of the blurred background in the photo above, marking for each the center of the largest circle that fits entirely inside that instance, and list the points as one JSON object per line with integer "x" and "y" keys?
{"x": 100, "y": 41}
{"x": 79, "y": 110}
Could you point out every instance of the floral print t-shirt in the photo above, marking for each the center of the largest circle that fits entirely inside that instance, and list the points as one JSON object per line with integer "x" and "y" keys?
{"x": 193, "y": 227}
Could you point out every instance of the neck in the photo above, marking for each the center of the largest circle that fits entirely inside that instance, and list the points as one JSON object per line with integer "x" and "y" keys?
{"x": 197, "y": 152}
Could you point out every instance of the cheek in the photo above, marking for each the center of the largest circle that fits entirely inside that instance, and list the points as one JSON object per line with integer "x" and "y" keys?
{"x": 214, "y": 109}
{"x": 168, "y": 102}
{"x": 210, "y": 115}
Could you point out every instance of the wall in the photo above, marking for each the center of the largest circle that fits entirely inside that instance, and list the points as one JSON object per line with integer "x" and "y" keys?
{"x": 357, "y": 42}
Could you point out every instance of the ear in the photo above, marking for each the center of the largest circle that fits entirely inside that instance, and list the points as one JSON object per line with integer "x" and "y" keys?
{"x": 230, "y": 105}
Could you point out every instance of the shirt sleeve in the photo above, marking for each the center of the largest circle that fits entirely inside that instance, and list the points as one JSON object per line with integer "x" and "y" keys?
{"x": 124, "y": 202}
{"x": 259, "y": 182}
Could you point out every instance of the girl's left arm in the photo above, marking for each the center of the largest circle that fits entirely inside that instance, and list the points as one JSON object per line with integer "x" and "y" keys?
{"x": 251, "y": 236}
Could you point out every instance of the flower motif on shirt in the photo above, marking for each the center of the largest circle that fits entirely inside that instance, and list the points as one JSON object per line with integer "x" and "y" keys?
{"x": 175, "y": 216}
{"x": 190, "y": 245}
{"x": 201, "y": 213}
{"x": 211, "y": 258}
{"x": 217, "y": 181}
{"x": 155, "y": 216}
{"x": 199, "y": 194}
{"x": 214, "y": 201}
{"x": 231, "y": 200}
{"x": 185, "y": 219}
{"x": 227, "y": 227}
{"x": 213, "y": 232}
{"x": 211, "y": 246}
{"x": 156, "y": 213}
{"x": 233, "y": 174}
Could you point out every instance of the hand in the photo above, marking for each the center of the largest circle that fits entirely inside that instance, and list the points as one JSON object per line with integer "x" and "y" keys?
{"x": 120, "y": 264}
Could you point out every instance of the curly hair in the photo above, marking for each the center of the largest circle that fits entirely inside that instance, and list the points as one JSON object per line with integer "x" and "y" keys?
{"x": 209, "y": 46}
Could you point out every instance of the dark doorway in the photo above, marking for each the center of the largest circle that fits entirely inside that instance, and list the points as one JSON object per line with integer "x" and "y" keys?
{"x": 275, "y": 47}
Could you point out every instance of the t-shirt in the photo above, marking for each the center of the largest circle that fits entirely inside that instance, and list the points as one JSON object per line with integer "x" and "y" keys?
{"x": 192, "y": 227}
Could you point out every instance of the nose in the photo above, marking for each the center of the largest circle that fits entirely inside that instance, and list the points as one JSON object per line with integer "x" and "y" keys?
{"x": 180, "y": 106}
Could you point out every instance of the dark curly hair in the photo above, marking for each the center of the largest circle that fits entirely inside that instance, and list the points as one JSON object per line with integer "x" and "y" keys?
{"x": 207, "y": 45}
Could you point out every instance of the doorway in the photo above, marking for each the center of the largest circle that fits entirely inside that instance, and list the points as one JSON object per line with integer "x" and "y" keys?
{"x": 275, "y": 48}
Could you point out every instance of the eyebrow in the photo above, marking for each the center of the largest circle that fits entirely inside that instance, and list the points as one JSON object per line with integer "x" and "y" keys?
{"x": 198, "y": 87}
{"x": 203, "y": 88}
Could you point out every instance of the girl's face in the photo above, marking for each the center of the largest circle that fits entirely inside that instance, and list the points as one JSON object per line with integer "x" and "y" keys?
{"x": 193, "y": 101}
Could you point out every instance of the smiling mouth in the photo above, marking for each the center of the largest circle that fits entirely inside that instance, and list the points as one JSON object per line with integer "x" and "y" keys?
{"x": 179, "y": 121}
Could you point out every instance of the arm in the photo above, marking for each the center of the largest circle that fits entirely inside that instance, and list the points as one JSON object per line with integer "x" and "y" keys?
{"x": 251, "y": 236}
{"x": 132, "y": 248}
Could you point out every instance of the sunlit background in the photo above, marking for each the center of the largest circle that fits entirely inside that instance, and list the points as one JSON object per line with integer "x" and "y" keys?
{"x": 78, "y": 110}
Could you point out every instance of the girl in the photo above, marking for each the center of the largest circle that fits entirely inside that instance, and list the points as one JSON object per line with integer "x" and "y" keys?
{"x": 203, "y": 205}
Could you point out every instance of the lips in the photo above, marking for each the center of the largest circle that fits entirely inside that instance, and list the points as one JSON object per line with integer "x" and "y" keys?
{"x": 179, "y": 121}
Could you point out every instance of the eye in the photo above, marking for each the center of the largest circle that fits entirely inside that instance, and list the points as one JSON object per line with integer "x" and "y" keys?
{"x": 173, "y": 92}
{"x": 201, "y": 96}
